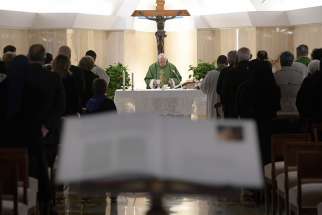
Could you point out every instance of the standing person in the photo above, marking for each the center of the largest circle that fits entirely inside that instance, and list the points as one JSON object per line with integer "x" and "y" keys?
{"x": 101, "y": 73}
{"x": 9, "y": 49}
{"x": 262, "y": 55}
{"x": 87, "y": 64}
{"x": 61, "y": 65}
{"x": 99, "y": 102}
{"x": 76, "y": 73}
{"x": 222, "y": 63}
{"x": 43, "y": 105}
{"x": 309, "y": 97}
{"x": 232, "y": 62}
{"x": 259, "y": 98}
{"x": 289, "y": 79}
{"x": 208, "y": 87}
{"x": 48, "y": 61}
{"x": 232, "y": 80}
{"x": 302, "y": 53}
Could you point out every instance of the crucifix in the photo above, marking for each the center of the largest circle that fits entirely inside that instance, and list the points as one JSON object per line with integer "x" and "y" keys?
{"x": 160, "y": 16}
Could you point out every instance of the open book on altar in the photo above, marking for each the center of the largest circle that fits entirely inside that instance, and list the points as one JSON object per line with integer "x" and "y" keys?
{"x": 143, "y": 146}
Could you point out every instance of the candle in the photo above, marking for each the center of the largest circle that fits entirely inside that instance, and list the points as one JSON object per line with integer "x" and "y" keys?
{"x": 132, "y": 81}
{"x": 123, "y": 80}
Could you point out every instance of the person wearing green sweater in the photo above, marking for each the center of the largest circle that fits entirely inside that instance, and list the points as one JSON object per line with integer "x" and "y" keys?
{"x": 162, "y": 73}
{"x": 302, "y": 52}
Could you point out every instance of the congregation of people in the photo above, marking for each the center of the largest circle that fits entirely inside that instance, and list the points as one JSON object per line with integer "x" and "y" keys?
{"x": 280, "y": 101}
{"x": 38, "y": 90}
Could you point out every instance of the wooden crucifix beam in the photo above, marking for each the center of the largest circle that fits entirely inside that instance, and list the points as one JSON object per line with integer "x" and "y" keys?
{"x": 160, "y": 16}
{"x": 160, "y": 11}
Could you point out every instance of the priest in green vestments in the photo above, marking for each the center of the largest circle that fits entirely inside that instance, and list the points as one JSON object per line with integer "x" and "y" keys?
{"x": 162, "y": 73}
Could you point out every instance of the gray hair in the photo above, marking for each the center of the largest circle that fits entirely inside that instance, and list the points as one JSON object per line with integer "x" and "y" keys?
{"x": 314, "y": 66}
{"x": 162, "y": 55}
{"x": 244, "y": 54}
{"x": 66, "y": 51}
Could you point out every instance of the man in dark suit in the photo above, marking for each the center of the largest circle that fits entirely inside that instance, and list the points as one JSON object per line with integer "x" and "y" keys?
{"x": 43, "y": 105}
{"x": 77, "y": 73}
{"x": 232, "y": 80}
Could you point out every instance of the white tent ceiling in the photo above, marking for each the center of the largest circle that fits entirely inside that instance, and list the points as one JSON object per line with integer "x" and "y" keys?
{"x": 115, "y": 14}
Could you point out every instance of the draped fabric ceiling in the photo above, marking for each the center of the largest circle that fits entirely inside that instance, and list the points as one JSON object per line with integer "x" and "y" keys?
{"x": 205, "y": 13}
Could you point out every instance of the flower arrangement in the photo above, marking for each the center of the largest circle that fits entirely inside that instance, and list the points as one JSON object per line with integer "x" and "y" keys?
{"x": 201, "y": 70}
{"x": 115, "y": 72}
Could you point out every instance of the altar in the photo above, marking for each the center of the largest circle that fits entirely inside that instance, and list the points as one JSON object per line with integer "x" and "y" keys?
{"x": 170, "y": 102}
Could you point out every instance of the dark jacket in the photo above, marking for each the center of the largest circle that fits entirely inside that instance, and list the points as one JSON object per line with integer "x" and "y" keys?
{"x": 309, "y": 97}
{"x": 44, "y": 97}
{"x": 89, "y": 78}
{"x": 230, "y": 85}
{"x": 259, "y": 99}
{"x": 73, "y": 103}
{"x": 98, "y": 104}
{"x": 78, "y": 76}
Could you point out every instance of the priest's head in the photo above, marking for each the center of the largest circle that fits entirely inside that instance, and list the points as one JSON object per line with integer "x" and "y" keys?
{"x": 162, "y": 59}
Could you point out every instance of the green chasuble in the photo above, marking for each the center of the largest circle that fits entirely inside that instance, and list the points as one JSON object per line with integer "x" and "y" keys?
{"x": 164, "y": 74}
{"x": 304, "y": 60}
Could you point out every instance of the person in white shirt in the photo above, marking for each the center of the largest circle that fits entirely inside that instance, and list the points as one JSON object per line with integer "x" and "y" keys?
{"x": 98, "y": 70}
{"x": 289, "y": 79}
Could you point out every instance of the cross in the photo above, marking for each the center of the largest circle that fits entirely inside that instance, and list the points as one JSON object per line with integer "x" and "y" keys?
{"x": 160, "y": 16}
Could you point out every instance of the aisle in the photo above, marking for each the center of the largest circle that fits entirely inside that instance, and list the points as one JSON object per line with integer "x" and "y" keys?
{"x": 132, "y": 204}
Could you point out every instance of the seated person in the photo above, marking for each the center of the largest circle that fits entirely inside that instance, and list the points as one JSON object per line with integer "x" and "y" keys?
{"x": 163, "y": 72}
{"x": 99, "y": 102}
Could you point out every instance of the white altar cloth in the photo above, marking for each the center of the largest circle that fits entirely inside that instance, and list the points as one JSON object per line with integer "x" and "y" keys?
{"x": 175, "y": 102}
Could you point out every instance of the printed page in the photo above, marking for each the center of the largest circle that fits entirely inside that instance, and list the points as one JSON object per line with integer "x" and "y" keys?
{"x": 221, "y": 153}
{"x": 110, "y": 147}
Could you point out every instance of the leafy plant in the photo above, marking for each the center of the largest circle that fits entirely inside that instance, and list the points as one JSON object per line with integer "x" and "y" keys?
{"x": 201, "y": 70}
{"x": 115, "y": 72}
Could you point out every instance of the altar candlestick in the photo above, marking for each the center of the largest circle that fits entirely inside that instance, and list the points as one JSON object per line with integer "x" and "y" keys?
{"x": 132, "y": 81}
{"x": 123, "y": 81}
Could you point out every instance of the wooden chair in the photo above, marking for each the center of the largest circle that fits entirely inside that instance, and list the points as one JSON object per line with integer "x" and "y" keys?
{"x": 320, "y": 208}
{"x": 9, "y": 180}
{"x": 1, "y": 198}
{"x": 277, "y": 166}
{"x": 26, "y": 193}
{"x": 317, "y": 131}
{"x": 307, "y": 195}
{"x": 290, "y": 158}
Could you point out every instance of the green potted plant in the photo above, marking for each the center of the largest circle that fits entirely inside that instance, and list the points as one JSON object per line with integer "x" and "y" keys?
{"x": 201, "y": 70}
{"x": 115, "y": 72}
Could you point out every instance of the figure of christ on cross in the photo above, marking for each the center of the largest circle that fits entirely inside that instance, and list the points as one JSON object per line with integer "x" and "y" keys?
{"x": 160, "y": 16}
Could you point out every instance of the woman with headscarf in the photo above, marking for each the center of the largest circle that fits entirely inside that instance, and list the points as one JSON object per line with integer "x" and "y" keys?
{"x": 259, "y": 99}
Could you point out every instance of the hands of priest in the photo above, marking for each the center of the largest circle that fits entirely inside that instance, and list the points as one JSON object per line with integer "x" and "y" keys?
{"x": 154, "y": 84}
{"x": 172, "y": 83}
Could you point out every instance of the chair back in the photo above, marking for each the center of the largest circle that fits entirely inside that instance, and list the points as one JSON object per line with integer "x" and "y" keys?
{"x": 9, "y": 181}
{"x": 1, "y": 197}
{"x": 19, "y": 156}
{"x": 308, "y": 171}
{"x": 317, "y": 131}
{"x": 280, "y": 140}
{"x": 278, "y": 145}
{"x": 307, "y": 165}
